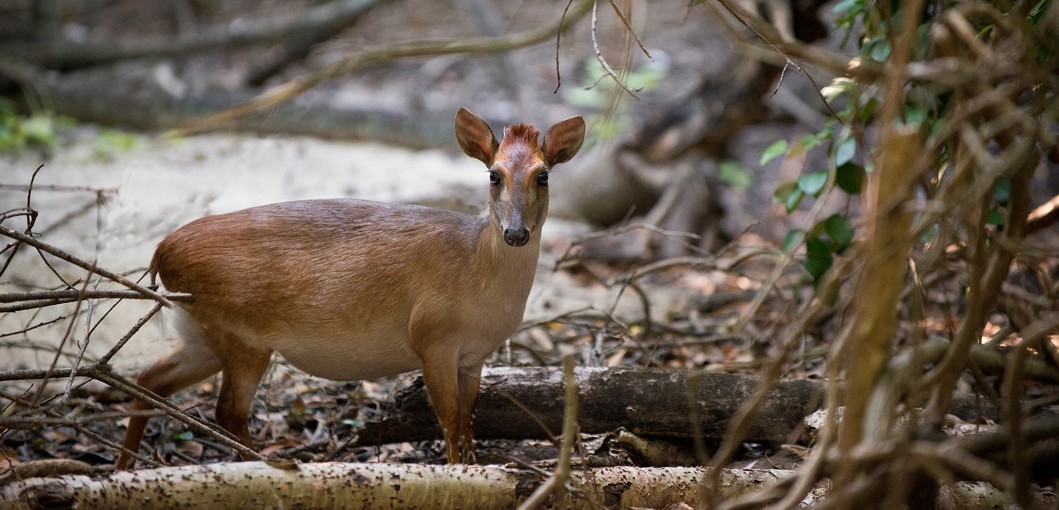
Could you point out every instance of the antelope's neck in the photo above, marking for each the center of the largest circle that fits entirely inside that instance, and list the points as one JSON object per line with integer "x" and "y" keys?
{"x": 511, "y": 268}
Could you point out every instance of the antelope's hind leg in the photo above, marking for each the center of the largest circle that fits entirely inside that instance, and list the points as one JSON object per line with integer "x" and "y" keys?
{"x": 190, "y": 363}
{"x": 243, "y": 368}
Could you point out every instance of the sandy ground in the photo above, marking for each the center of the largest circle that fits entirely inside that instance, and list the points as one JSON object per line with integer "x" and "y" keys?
{"x": 162, "y": 184}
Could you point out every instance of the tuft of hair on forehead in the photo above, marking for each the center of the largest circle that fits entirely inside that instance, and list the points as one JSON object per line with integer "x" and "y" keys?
{"x": 521, "y": 133}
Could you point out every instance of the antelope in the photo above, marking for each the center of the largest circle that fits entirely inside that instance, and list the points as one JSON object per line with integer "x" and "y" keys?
{"x": 349, "y": 289}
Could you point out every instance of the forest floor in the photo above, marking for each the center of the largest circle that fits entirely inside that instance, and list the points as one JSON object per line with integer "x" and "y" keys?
{"x": 112, "y": 207}
{"x": 118, "y": 194}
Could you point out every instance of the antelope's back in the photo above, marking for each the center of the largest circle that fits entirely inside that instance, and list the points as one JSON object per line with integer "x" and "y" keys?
{"x": 314, "y": 262}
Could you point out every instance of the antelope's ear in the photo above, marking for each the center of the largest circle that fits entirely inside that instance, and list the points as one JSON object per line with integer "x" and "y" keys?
{"x": 563, "y": 140}
{"x": 475, "y": 137}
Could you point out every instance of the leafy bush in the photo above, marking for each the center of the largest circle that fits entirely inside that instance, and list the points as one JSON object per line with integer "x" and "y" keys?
{"x": 35, "y": 131}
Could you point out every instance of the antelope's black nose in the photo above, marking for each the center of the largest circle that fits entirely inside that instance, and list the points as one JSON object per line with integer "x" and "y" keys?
{"x": 516, "y": 236}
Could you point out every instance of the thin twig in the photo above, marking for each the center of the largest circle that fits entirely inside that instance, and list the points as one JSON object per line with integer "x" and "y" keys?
{"x": 775, "y": 42}
{"x": 74, "y": 294}
{"x": 603, "y": 61}
{"x": 59, "y": 350}
{"x": 566, "y": 449}
{"x": 132, "y": 331}
{"x": 628, "y": 28}
{"x": 558, "y": 36}
{"x": 102, "y": 373}
{"x": 78, "y": 425}
{"x": 41, "y": 245}
{"x": 31, "y": 422}
{"x": 57, "y": 187}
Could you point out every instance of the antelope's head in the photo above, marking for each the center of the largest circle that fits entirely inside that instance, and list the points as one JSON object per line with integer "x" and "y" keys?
{"x": 518, "y": 169}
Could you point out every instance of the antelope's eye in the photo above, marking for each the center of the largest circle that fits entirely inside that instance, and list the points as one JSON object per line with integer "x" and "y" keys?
{"x": 494, "y": 178}
{"x": 542, "y": 179}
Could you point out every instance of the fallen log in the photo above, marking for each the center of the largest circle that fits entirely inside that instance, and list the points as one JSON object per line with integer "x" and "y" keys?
{"x": 527, "y": 403}
{"x": 522, "y": 403}
{"x": 335, "y": 485}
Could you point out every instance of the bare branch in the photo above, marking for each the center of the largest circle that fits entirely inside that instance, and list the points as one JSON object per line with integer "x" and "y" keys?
{"x": 298, "y": 86}
{"x": 603, "y": 61}
{"x": 74, "y": 295}
{"x": 41, "y": 245}
{"x": 566, "y": 449}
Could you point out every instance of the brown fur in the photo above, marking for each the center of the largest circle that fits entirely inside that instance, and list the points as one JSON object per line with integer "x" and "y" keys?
{"x": 352, "y": 289}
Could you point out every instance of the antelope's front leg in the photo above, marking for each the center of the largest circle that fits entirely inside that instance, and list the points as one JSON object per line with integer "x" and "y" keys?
{"x": 469, "y": 379}
{"x": 440, "y": 373}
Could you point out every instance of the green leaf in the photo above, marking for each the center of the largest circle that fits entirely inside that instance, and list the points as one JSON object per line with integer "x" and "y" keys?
{"x": 583, "y": 97}
{"x": 845, "y": 6}
{"x": 1043, "y": 54}
{"x": 930, "y": 234}
{"x": 646, "y": 78}
{"x": 187, "y": 435}
{"x": 817, "y": 246}
{"x": 777, "y": 149}
{"x": 995, "y": 217}
{"x": 39, "y": 128}
{"x": 850, "y": 178}
{"x": 810, "y": 141}
{"x": 789, "y": 195}
{"x": 111, "y": 142}
{"x": 879, "y": 50}
{"x": 794, "y": 200}
{"x": 1037, "y": 10}
{"x": 792, "y": 240}
{"x": 840, "y": 230}
{"x": 817, "y": 266}
{"x": 812, "y": 183}
{"x": 845, "y": 151}
{"x": 733, "y": 174}
{"x": 837, "y": 87}
{"x": 915, "y": 116}
{"x": 818, "y": 257}
{"x": 783, "y": 191}
{"x": 1002, "y": 191}
{"x": 867, "y": 110}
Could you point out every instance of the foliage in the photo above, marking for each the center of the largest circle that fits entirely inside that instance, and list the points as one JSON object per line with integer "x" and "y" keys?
{"x": 941, "y": 123}
{"x": 599, "y": 92}
{"x": 44, "y": 131}
{"x": 110, "y": 142}
{"x": 926, "y": 105}
{"x": 734, "y": 175}
{"x": 35, "y": 131}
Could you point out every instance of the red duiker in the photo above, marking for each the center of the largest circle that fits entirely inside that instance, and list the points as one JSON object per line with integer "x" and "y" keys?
{"x": 352, "y": 289}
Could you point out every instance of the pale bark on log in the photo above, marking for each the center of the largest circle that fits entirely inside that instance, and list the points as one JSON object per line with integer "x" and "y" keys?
{"x": 334, "y": 485}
